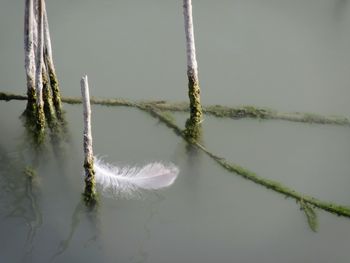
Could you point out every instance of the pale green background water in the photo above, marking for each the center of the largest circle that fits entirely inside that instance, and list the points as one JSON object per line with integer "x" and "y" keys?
{"x": 288, "y": 55}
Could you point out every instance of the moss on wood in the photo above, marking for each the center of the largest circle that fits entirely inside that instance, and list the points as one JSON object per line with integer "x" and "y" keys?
{"x": 56, "y": 94}
{"x": 90, "y": 194}
{"x": 194, "y": 96}
{"x": 39, "y": 128}
{"x": 155, "y": 108}
{"x": 215, "y": 110}
{"x": 48, "y": 105}
{"x": 238, "y": 112}
{"x": 30, "y": 172}
{"x": 247, "y": 174}
{"x": 31, "y": 108}
{"x": 193, "y": 130}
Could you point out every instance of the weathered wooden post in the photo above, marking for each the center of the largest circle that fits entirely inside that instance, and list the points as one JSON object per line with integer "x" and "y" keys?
{"x": 48, "y": 58}
{"x": 90, "y": 188}
{"x": 41, "y": 77}
{"x": 29, "y": 57}
{"x": 192, "y": 67}
{"x": 39, "y": 66}
{"x": 47, "y": 98}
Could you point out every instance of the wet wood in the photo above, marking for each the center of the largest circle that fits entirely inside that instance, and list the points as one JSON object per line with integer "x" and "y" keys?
{"x": 90, "y": 191}
{"x": 192, "y": 66}
{"x": 48, "y": 59}
{"x": 29, "y": 54}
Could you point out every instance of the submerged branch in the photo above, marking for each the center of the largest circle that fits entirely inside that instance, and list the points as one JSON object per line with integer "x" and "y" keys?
{"x": 304, "y": 200}
{"x": 48, "y": 58}
{"x": 214, "y": 110}
{"x": 7, "y": 96}
{"x": 155, "y": 108}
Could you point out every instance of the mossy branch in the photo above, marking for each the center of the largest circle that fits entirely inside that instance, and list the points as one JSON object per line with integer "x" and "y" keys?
{"x": 214, "y": 110}
{"x": 155, "y": 108}
{"x": 305, "y": 201}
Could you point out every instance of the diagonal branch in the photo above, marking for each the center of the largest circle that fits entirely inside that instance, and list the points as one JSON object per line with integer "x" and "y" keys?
{"x": 249, "y": 175}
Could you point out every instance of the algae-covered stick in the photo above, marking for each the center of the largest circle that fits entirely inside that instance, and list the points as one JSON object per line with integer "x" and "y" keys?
{"x": 29, "y": 54}
{"x": 39, "y": 65}
{"x": 48, "y": 58}
{"x": 47, "y": 98}
{"x": 90, "y": 189}
{"x": 192, "y": 67}
{"x": 219, "y": 111}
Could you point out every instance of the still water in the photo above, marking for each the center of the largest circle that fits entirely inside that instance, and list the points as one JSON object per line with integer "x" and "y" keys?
{"x": 288, "y": 55}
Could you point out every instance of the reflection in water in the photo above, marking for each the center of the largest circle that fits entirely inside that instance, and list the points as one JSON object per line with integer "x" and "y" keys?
{"x": 60, "y": 136}
{"x": 58, "y": 139}
{"x": 142, "y": 254}
{"x": 92, "y": 216}
{"x": 19, "y": 185}
{"x": 75, "y": 220}
{"x": 37, "y": 219}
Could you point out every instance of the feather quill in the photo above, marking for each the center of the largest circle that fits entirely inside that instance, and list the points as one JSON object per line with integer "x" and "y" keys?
{"x": 130, "y": 181}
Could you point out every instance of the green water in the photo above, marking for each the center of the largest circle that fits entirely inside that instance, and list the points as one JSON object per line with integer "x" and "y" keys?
{"x": 288, "y": 55}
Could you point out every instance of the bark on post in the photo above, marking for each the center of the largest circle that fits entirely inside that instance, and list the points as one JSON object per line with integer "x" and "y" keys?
{"x": 48, "y": 58}
{"x": 192, "y": 67}
{"x": 90, "y": 189}
{"x": 39, "y": 66}
{"x": 29, "y": 55}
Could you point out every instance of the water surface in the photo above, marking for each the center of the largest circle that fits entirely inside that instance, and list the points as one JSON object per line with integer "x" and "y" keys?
{"x": 288, "y": 55}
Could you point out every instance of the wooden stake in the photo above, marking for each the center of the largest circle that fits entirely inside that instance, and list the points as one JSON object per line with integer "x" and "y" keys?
{"x": 90, "y": 189}
{"x": 29, "y": 55}
{"x": 192, "y": 67}
{"x": 47, "y": 98}
{"x": 39, "y": 66}
{"x": 48, "y": 58}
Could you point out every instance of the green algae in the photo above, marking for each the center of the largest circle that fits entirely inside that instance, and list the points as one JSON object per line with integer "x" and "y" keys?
{"x": 31, "y": 108}
{"x": 56, "y": 97}
{"x": 8, "y": 97}
{"x": 238, "y": 112}
{"x": 169, "y": 116}
{"x": 310, "y": 214}
{"x": 214, "y": 110}
{"x": 310, "y": 118}
{"x": 55, "y": 89}
{"x": 40, "y": 119}
{"x": 58, "y": 127}
{"x": 194, "y": 96}
{"x": 49, "y": 111}
{"x": 33, "y": 127}
{"x": 90, "y": 194}
{"x": 193, "y": 130}
{"x": 156, "y": 108}
{"x": 30, "y": 172}
{"x": 278, "y": 187}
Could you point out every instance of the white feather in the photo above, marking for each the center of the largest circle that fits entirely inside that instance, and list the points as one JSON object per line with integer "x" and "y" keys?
{"x": 128, "y": 181}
